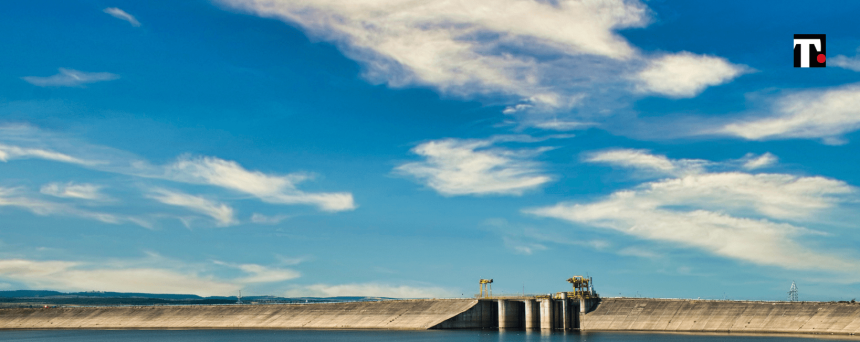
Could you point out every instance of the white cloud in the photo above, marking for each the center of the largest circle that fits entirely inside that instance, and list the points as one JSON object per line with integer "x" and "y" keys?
{"x": 16, "y": 197}
{"x": 261, "y": 274}
{"x": 774, "y": 195}
{"x": 269, "y": 188}
{"x": 536, "y": 57}
{"x": 368, "y": 290}
{"x": 9, "y": 152}
{"x": 825, "y": 114}
{"x": 644, "y": 160}
{"x": 522, "y": 247}
{"x": 751, "y": 162}
{"x": 850, "y": 63}
{"x": 222, "y": 213}
{"x": 154, "y": 274}
{"x": 21, "y": 141}
{"x": 264, "y": 219}
{"x": 77, "y": 276}
{"x": 556, "y": 125}
{"x": 70, "y": 78}
{"x": 73, "y": 190}
{"x": 122, "y": 15}
{"x": 461, "y": 46}
{"x": 706, "y": 211}
{"x": 473, "y": 167}
{"x": 685, "y": 74}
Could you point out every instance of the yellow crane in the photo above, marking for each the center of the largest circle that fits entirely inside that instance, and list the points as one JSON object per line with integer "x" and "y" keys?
{"x": 486, "y": 288}
{"x": 581, "y": 286}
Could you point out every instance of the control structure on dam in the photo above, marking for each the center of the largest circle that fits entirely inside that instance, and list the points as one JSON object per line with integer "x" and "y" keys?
{"x": 561, "y": 310}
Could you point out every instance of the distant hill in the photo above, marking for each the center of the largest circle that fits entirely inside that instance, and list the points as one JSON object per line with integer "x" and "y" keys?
{"x": 26, "y": 298}
{"x": 46, "y": 293}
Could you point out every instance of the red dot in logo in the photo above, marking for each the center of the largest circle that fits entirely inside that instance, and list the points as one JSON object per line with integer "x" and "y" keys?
{"x": 821, "y": 58}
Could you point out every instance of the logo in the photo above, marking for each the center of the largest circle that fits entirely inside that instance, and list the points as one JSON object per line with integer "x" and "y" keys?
{"x": 809, "y": 51}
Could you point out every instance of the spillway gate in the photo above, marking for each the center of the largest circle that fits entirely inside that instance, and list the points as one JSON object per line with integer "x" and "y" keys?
{"x": 528, "y": 312}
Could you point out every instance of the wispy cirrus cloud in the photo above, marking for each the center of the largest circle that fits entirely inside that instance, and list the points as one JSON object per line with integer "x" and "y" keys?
{"x": 825, "y": 114}
{"x": 8, "y": 152}
{"x": 369, "y": 290}
{"x": 220, "y": 212}
{"x": 265, "y": 219}
{"x": 18, "y": 142}
{"x": 842, "y": 61}
{"x": 153, "y": 274}
{"x": 70, "y": 78}
{"x": 261, "y": 274}
{"x": 73, "y": 190}
{"x": 521, "y": 246}
{"x": 733, "y": 214}
{"x": 122, "y": 15}
{"x": 753, "y": 162}
{"x": 455, "y": 167}
{"x": 643, "y": 160}
{"x": 537, "y": 56}
{"x": 78, "y": 276}
{"x": 17, "y": 197}
{"x": 269, "y": 188}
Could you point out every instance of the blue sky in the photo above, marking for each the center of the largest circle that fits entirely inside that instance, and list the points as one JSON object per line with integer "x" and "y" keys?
{"x": 407, "y": 149}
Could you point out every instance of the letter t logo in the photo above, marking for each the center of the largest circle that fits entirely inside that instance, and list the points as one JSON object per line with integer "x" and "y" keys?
{"x": 805, "y": 56}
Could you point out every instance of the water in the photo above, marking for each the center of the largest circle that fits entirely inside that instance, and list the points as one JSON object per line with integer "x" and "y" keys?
{"x": 361, "y": 336}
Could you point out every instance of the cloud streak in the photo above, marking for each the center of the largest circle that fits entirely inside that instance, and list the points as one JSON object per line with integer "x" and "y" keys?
{"x": 456, "y": 167}
{"x": 70, "y": 78}
{"x": 643, "y": 160}
{"x": 811, "y": 114}
{"x": 368, "y": 289}
{"x": 21, "y": 142}
{"x": 137, "y": 276}
{"x": 73, "y": 190}
{"x": 269, "y": 188}
{"x": 730, "y": 214}
{"x": 122, "y": 15}
{"x": 16, "y": 197}
{"x": 220, "y": 212}
{"x": 537, "y": 56}
{"x": 8, "y": 153}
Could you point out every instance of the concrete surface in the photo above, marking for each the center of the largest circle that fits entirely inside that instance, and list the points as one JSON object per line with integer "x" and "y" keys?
{"x": 396, "y": 314}
{"x": 483, "y": 315}
{"x": 678, "y": 315}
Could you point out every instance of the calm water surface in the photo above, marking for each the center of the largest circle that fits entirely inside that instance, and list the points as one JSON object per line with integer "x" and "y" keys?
{"x": 361, "y": 336}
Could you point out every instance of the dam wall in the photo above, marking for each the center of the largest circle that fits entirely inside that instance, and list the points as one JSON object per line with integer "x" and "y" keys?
{"x": 679, "y": 315}
{"x": 545, "y": 313}
{"x": 394, "y": 314}
{"x": 483, "y": 315}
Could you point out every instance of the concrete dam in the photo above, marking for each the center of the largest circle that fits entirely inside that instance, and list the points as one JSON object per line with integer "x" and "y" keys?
{"x": 393, "y": 314}
{"x": 548, "y": 313}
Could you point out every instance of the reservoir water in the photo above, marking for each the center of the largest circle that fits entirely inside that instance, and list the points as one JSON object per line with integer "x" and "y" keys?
{"x": 369, "y": 336}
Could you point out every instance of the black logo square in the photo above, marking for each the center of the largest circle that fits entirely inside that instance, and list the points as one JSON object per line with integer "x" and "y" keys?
{"x": 810, "y": 50}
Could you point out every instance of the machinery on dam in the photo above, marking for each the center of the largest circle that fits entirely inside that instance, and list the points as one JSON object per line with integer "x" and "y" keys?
{"x": 561, "y": 310}
{"x": 486, "y": 288}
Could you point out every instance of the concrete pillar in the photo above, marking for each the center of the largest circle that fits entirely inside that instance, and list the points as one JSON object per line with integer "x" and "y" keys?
{"x": 532, "y": 317}
{"x": 546, "y": 314}
{"x": 565, "y": 312}
{"x": 503, "y": 314}
{"x": 509, "y": 314}
{"x": 583, "y": 305}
